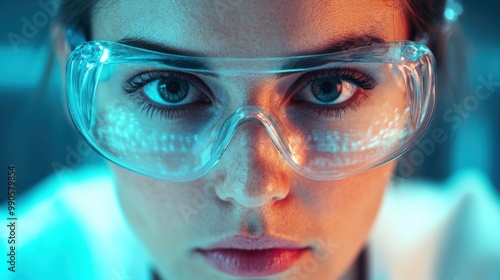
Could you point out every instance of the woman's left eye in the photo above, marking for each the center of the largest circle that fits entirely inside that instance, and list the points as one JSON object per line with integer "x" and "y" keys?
{"x": 328, "y": 91}
{"x": 331, "y": 92}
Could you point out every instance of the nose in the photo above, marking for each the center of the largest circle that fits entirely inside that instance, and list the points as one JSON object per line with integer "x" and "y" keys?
{"x": 251, "y": 171}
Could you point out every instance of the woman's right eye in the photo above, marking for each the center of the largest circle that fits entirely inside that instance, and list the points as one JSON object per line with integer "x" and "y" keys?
{"x": 168, "y": 88}
{"x": 168, "y": 93}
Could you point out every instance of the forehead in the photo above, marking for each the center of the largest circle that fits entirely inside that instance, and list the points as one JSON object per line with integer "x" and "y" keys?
{"x": 238, "y": 28}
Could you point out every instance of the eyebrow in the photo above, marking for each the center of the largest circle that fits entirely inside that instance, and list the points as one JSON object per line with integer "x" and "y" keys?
{"x": 157, "y": 47}
{"x": 346, "y": 43}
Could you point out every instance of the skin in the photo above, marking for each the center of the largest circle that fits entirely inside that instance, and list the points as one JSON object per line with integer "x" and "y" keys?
{"x": 252, "y": 191}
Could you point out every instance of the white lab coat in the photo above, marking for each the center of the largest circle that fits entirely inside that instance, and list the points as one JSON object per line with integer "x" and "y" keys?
{"x": 70, "y": 227}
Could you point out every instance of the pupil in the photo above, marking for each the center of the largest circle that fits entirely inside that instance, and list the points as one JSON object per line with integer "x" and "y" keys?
{"x": 173, "y": 90}
{"x": 173, "y": 87}
{"x": 327, "y": 89}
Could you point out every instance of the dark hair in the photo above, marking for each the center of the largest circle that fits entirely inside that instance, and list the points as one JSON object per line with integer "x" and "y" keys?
{"x": 426, "y": 18}
{"x": 75, "y": 17}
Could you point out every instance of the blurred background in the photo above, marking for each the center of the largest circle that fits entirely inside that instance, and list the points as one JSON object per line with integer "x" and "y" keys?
{"x": 36, "y": 133}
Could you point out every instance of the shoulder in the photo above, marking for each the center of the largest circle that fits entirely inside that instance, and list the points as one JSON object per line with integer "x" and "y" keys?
{"x": 450, "y": 231}
{"x": 70, "y": 227}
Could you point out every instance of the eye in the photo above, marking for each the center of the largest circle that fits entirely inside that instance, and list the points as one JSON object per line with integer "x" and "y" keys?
{"x": 173, "y": 95}
{"x": 168, "y": 88}
{"x": 167, "y": 91}
{"x": 329, "y": 90}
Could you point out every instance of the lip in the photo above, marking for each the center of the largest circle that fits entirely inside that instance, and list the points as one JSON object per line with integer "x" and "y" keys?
{"x": 253, "y": 257}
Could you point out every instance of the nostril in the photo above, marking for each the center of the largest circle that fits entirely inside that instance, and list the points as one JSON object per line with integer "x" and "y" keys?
{"x": 236, "y": 195}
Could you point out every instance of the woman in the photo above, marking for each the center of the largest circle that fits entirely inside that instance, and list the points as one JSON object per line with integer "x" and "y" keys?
{"x": 247, "y": 167}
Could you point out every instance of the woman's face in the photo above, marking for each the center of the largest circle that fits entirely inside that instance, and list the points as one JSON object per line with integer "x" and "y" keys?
{"x": 251, "y": 193}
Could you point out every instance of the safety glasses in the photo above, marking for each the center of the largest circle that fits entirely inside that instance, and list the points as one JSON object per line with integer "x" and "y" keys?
{"x": 172, "y": 117}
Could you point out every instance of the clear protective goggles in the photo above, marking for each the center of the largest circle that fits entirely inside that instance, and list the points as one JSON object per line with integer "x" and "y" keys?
{"x": 330, "y": 115}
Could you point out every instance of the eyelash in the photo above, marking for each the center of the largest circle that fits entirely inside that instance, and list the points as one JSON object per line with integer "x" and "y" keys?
{"x": 360, "y": 79}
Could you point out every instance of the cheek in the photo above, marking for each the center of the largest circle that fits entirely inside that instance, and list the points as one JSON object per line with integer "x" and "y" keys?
{"x": 358, "y": 201}
{"x": 147, "y": 204}
{"x": 347, "y": 211}
{"x": 154, "y": 210}
{"x": 349, "y": 200}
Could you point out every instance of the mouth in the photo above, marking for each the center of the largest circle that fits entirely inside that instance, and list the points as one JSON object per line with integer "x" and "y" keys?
{"x": 253, "y": 257}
